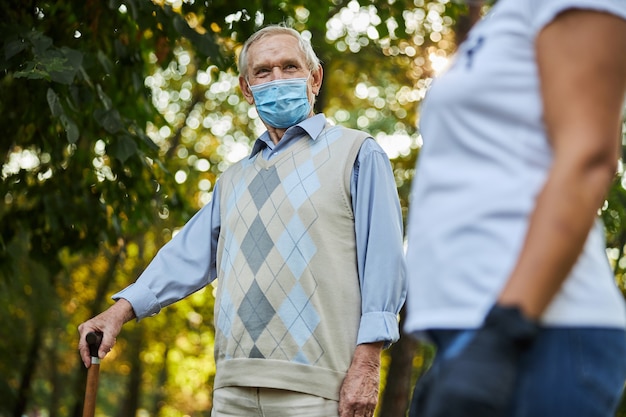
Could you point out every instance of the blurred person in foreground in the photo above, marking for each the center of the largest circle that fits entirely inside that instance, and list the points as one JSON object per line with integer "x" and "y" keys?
{"x": 507, "y": 269}
{"x": 304, "y": 237}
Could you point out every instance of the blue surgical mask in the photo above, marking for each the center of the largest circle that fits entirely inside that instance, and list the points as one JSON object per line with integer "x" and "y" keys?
{"x": 282, "y": 103}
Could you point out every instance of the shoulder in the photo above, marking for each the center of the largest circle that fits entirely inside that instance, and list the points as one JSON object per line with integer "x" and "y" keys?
{"x": 363, "y": 142}
{"x": 236, "y": 168}
{"x": 545, "y": 11}
{"x": 355, "y": 134}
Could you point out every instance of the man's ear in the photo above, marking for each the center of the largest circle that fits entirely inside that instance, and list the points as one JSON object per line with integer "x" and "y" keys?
{"x": 317, "y": 76}
{"x": 245, "y": 90}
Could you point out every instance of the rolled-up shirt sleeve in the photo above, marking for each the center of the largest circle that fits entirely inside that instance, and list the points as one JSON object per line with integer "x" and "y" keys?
{"x": 182, "y": 266}
{"x": 380, "y": 249}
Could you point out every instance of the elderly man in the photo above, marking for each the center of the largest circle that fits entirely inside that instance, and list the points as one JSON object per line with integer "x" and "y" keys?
{"x": 305, "y": 239}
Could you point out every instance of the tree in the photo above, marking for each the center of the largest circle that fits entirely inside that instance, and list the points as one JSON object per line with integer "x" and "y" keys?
{"x": 78, "y": 169}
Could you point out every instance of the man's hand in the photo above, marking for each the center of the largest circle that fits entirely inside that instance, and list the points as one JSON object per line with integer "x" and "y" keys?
{"x": 476, "y": 375}
{"x": 109, "y": 323}
{"x": 359, "y": 392}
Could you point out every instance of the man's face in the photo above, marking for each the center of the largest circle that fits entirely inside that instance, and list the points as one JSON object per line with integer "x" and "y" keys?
{"x": 278, "y": 57}
{"x": 275, "y": 57}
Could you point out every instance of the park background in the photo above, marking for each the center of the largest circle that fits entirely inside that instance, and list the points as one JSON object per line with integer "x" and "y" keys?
{"x": 117, "y": 116}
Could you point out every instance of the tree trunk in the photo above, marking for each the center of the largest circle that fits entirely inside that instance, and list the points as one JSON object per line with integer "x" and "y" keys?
{"x": 397, "y": 393}
{"x": 159, "y": 397}
{"x": 130, "y": 403}
{"x": 56, "y": 381}
{"x": 27, "y": 375}
{"x": 395, "y": 400}
{"x": 465, "y": 23}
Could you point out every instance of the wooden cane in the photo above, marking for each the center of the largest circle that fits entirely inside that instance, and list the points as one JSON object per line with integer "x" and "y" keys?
{"x": 89, "y": 406}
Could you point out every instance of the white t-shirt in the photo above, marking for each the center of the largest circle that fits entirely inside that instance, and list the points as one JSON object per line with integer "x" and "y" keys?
{"x": 484, "y": 160}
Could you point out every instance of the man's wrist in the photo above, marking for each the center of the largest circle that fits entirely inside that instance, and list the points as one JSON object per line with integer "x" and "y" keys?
{"x": 124, "y": 309}
{"x": 368, "y": 353}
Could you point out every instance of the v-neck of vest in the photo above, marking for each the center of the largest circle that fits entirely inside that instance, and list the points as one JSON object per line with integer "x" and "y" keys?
{"x": 296, "y": 147}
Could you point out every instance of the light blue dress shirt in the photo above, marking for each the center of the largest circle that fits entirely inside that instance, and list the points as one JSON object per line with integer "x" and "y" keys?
{"x": 187, "y": 263}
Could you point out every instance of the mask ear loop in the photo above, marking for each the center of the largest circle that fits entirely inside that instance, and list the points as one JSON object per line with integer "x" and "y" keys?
{"x": 311, "y": 104}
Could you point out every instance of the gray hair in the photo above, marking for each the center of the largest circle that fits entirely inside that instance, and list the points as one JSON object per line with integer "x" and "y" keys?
{"x": 312, "y": 61}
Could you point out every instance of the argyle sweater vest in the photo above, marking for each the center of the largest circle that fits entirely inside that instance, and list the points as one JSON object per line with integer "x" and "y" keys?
{"x": 288, "y": 302}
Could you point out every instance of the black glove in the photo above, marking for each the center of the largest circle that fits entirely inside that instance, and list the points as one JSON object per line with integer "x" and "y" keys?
{"x": 476, "y": 375}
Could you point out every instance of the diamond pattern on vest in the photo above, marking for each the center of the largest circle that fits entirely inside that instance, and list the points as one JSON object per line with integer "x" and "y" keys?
{"x": 299, "y": 315}
{"x": 255, "y": 311}
{"x": 301, "y": 183}
{"x": 296, "y": 247}
{"x": 256, "y": 245}
{"x": 263, "y": 185}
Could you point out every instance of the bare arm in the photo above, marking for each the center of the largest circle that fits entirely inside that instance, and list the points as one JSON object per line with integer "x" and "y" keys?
{"x": 109, "y": 322}
{"x": 582, "y": 66}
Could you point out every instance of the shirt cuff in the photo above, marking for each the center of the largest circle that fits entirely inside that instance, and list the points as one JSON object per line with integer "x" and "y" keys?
{"x": 141, "y": 298}
{"x": 379, "y": 326}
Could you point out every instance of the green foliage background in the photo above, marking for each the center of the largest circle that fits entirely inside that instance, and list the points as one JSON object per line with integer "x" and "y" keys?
{"x": 117, "y": 118}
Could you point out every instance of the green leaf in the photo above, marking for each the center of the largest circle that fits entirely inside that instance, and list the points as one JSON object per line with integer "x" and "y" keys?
{"x": 137, "y": 131}
{"x": 54, "y": 103}
{"x": 62, "y": 77}
{"x": 31, "y": 72}
{"x": 122, "y": 148}
{"x": 67, "y": 65}
{"x": 104, "y": 98}
{"x": 40, "y": 42}
{"x": 110, "y": 120}
{"x": 14, "y": 47}
{"x": 105, "y": 62}
{"x": 70, "y": 128}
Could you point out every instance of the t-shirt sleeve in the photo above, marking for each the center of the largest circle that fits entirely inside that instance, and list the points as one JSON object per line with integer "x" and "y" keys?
{"x": 545, "y": 11}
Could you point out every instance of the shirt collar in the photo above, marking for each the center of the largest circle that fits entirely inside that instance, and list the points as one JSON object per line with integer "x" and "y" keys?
{"x": 312, "y": 126}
